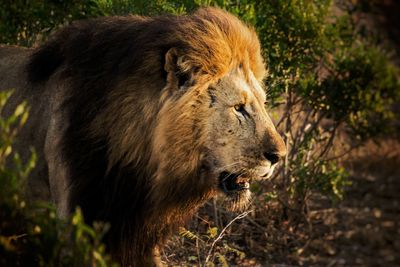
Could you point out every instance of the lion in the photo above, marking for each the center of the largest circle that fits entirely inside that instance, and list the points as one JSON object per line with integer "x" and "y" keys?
{"x": 140, "y": 120}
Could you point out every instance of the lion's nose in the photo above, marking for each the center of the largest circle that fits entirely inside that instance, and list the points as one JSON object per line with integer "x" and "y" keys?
{"x": 274, "y": 148}
{"x": 273, "y": 157}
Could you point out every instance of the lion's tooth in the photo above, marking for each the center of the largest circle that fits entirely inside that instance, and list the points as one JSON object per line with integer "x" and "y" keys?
{"x": 242, "y": 179}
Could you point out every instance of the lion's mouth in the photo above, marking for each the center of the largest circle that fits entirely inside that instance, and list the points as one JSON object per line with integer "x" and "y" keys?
{"x": 233, "y": 182}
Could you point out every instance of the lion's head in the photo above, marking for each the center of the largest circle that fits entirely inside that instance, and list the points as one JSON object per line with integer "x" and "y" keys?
{"x": 213, "y": 129}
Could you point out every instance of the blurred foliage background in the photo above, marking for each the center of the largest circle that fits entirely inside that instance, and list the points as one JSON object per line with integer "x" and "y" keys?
{"x": 333, "y": 85}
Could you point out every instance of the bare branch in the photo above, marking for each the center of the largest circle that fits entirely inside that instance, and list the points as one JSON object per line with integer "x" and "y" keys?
{"x": 240, "y": 216}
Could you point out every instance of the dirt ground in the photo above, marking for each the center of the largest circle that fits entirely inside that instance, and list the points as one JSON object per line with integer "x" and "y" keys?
{"x": 361, "y": 230}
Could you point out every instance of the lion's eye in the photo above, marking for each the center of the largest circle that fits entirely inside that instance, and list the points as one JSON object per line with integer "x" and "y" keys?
{"x": 240, "y": 108}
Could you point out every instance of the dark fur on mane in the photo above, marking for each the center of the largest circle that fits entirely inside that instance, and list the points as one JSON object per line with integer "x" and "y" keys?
{"x": 93, "y": 57}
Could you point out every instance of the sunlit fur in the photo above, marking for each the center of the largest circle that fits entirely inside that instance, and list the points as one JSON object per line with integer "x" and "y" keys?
{"x": 139, "y": 120}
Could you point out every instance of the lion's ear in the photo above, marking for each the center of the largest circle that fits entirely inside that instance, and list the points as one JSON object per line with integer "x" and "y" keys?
{"x": 177, "y": 67}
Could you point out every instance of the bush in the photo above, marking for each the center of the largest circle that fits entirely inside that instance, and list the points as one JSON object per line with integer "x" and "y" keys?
{"x": 329, "y": 78}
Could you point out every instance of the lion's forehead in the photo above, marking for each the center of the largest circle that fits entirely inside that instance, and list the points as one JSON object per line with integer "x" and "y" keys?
{"x": 250, "y": 85}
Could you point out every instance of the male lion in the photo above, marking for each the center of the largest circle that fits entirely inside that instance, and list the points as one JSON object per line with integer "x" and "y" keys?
{"x": 141, "y": 120}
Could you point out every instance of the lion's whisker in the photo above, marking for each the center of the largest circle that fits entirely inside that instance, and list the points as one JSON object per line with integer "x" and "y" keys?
{"x": 228, "y": 165}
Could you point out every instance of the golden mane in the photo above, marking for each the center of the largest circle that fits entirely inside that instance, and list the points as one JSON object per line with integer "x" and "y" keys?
{"x": 217, "y": 41}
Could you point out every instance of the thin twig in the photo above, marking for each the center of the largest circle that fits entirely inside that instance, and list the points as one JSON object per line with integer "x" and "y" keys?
{"x": 240, "y": 216}
{"x": 330, "y": 141}
{"x": 342, "y": 154}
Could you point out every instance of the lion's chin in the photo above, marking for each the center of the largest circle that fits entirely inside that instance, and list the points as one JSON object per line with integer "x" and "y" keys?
{"x": 236, "y": 190}
{"x": 238, "y": 201}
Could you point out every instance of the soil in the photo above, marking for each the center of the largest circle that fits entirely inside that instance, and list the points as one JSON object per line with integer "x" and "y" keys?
{"x": 363, "y": 229}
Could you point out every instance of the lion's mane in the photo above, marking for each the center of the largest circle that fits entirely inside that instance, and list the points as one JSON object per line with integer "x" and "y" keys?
{"x": 112, "y": 74}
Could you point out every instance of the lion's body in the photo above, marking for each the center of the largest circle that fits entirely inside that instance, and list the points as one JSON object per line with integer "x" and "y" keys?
{"x": 130, "y": 119}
